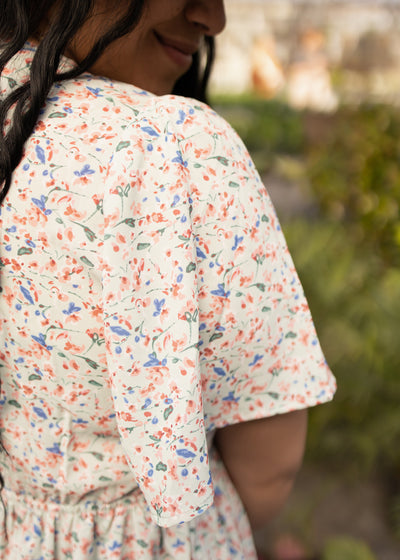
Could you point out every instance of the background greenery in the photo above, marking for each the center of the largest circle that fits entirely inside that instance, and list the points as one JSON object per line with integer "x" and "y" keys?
{"x": 347, "y": 251}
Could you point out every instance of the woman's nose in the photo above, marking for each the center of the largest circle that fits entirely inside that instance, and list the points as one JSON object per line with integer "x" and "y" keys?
{"x": 209, "y": 14}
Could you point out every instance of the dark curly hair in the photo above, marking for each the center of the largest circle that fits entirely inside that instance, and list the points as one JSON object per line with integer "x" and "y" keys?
{"x": 21, "y": 19}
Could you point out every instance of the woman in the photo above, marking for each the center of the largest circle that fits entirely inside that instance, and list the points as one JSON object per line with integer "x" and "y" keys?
{"x": 154, "y": 334}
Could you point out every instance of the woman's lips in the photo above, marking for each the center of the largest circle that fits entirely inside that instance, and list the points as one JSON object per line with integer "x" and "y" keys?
{"x": 178, "y": 51}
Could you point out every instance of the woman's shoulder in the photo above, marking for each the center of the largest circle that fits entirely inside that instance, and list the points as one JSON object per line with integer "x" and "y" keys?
{"x": 188, "y": 112}
{"x": 99, "y": 102}
{"x": 122, "y": 103}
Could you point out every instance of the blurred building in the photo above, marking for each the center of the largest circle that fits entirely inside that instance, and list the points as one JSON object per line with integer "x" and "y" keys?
{"x": 316, "y": 53}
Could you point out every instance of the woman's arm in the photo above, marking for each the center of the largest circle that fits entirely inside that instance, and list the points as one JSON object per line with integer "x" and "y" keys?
{"x": 262, "y": 458}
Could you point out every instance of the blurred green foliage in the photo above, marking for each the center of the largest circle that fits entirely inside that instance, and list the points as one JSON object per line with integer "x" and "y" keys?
{"x": 355, "y": 174}
{"x": 268, "y": 128}
{"x": 356, "y": 306}
{"x": 345, "y": 548}
{"x": 348, "y": 258}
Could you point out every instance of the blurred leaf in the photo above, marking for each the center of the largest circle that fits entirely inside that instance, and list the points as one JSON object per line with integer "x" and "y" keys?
{"x": 346, "y": 548}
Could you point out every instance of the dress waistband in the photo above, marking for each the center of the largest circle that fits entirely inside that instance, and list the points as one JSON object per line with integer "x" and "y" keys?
{"x": 86, "y": 505}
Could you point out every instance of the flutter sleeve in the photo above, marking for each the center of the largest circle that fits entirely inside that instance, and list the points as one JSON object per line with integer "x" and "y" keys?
{"x": 150, "y": 303}
{"x": 205, "y": 320}
{"x": 259, "y": 351}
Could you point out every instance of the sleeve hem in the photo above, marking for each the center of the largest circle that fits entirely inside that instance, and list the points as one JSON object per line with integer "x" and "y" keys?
{"x": 291, "y": 403}
{"x": 167, "y": 520}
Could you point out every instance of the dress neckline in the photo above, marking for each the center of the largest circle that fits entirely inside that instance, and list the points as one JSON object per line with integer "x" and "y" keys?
{"x": 66, "y": 63}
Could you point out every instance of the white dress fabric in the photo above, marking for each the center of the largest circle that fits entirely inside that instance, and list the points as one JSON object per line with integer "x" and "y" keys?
{"x": 147, "y": 299}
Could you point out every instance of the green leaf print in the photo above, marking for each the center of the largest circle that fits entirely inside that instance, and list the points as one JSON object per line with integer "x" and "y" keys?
{"x": 130, "y": 222}
{"x": 190, "y": 267}
{"x": 99, "y": 456}
{"x": 89, "y": 234}
{"x": 11, "y": 82}
{"x": 57, "y": 115}
{"x": 95, "y": 383}
{"x": 234, "y": 185}
{"x": 122, "y": 145}
{"x": 264, "y": 218}
{"x": 161, "y": 466}
{"x": 105, "y": 479}
{"x": 86, "y": 261}
{"x": 142, "y": 543}
{"x": 14, "y": 403}
{"x": 96, "y": 339}
{"x": 291, "y": 335}
{"x": 273, "y": 395}
{"x": 92, "y": 364}
{"x": 215, "y": 336}
{"x": 34, "y": 377}
{"x": 191, "y": 318}
{"x": 168, "y": 411}
{"x": 142, "y": 246}
{"x": 25, "y": 251}
{"x": 260, "y": 286}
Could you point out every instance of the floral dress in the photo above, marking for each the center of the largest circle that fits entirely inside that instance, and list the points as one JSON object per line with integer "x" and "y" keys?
{"x": 147, "y": 299}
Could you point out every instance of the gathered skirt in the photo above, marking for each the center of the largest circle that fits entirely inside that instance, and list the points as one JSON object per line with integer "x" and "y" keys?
{"x": 34, "y": 529}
